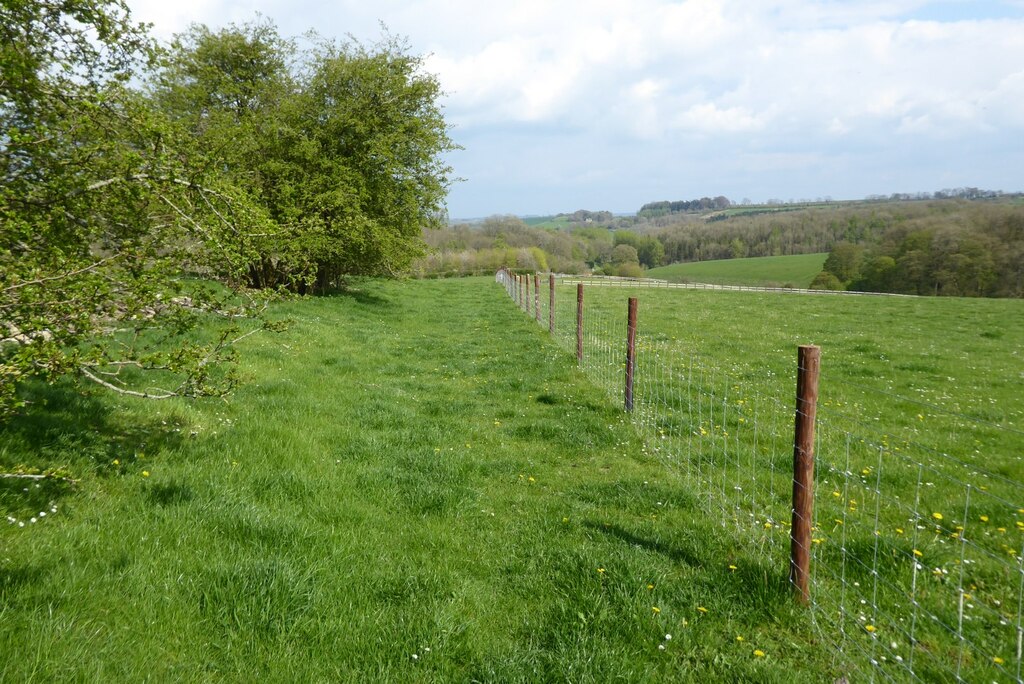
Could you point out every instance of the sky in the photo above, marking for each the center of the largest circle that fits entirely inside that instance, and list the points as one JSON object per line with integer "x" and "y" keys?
{"x": 561, "y": 105}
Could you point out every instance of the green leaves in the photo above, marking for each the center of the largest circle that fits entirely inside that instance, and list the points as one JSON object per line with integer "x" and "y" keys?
{"x": 104, "y": 210}
{"x": 338, "y": 144}
{"x": 246, "y": 162}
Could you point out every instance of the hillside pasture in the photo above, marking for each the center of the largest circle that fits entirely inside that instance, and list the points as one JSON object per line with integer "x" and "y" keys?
{"x": 791, "y": 271}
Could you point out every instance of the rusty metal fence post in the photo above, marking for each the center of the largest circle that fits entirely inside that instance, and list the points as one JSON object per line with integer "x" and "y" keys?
{"x": 809, "y": 361}
{"x": 630, "y": 351}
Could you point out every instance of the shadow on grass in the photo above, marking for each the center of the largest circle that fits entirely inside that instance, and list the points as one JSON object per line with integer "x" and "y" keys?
{"x": 673, "y": 552}
{"x": 12, "y": 578}
{"x": 66, "y": 429}
{"x": 359, "y": 296}
{"x": 763, "y": 590}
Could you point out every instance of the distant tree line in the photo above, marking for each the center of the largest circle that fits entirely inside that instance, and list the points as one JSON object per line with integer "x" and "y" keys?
{"x": 663, "y": 208}
{"x": 584, "y": 216}
{"x": 948, "y": 193}
{"x": 507, "y": 242}
{"x": 935, "y": 247}
{"x": 969, "y": 250}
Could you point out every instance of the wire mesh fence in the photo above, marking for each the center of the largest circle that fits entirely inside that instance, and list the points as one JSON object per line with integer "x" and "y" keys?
{"x": 917, "y": 537}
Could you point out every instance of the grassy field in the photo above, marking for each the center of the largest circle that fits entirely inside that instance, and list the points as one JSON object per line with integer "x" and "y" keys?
{"x": 920, "y": 507}
{"x": 418, "y": 484}
{"x": 547, "y": 221}
{"x": 414, "y": 486}
{"x": 792, "y": 271}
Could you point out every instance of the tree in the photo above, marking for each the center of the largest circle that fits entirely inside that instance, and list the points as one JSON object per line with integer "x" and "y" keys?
{"x": 102, "y": 212}
{"x": 844, "y": 261}
{"x": 341, "y": 146}
{"x": 624, "y": 254}
{"x": 650, "y": 252}
{"x": 878, "y": 275}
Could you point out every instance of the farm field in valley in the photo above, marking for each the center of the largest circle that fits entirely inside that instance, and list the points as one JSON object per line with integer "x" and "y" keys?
{"x": 418, "y": 484}
{"x": 796, "y": 270}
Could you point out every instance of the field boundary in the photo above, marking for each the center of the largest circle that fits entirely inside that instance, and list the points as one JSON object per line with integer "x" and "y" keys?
{"x": 916, "y": 549}
{"x": 658, "y": 283}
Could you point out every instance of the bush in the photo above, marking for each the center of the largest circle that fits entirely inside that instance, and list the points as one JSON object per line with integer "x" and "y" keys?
{"x": 826, "y": 281}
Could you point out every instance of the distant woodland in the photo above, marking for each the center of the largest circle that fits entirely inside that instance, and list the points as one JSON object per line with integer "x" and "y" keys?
{"x": 964, "y": 242}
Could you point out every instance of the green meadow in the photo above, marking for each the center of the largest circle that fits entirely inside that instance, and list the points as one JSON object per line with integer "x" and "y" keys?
{"x": 791, "y": 271}
{"x": 919, "y": 518}
{"x": 416, "y": 483}
{"x": 550, "y": 222}
{"x": 413, "y": 486}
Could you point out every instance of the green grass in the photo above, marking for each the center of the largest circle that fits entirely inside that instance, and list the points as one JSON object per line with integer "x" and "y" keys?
{"x": 547, "y": 221}
{"x": 415, "y": 485}
{"x": 415, "y": 465}
{"x": 791, "y": 271}
{"x": 920, "y": 414}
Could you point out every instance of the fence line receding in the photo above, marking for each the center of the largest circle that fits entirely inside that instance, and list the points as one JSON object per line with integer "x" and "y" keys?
{"x": 915, "y": 547}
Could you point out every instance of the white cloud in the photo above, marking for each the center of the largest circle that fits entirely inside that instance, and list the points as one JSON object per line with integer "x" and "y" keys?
{"x": 739, "y": 75}
{"x": 709, "y": 118}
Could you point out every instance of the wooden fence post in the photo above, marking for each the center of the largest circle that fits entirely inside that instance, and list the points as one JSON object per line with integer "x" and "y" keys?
{"x": 579, "y": 323}
{"x": 630, "y": 352}
{"x": 551, "y": 303}
{"x": 809, "y": 361}
{"x": 526, "y": 300}
{"x": 536, "y": 296}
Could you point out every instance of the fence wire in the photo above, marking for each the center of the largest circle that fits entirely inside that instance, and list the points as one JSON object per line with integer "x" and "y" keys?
{"x": 917, "y": 554}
